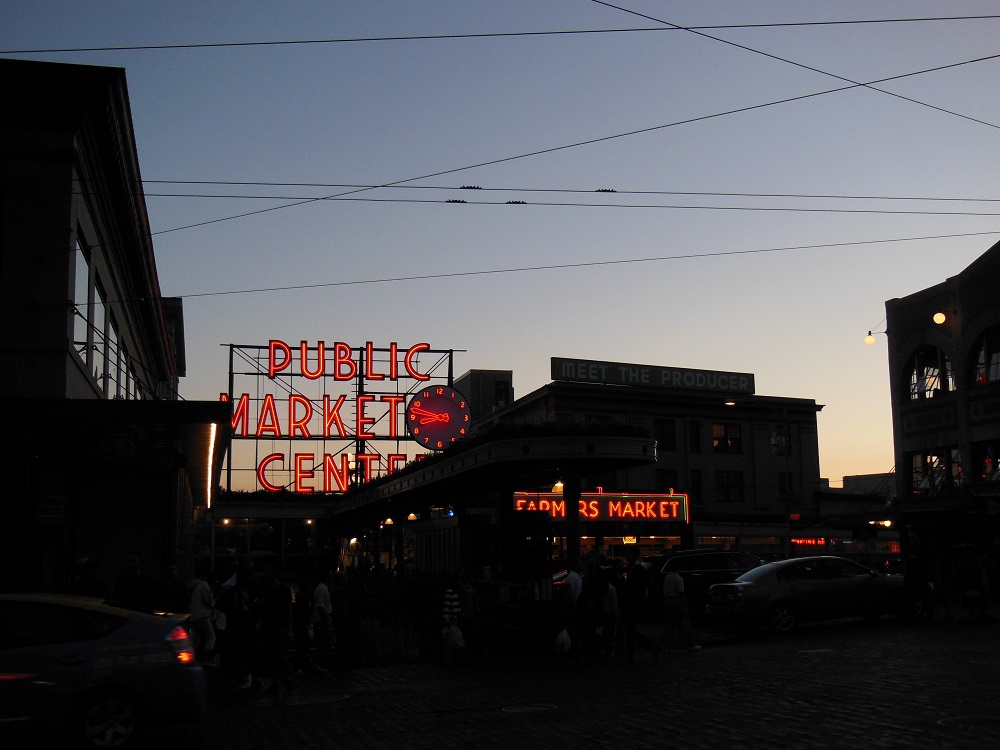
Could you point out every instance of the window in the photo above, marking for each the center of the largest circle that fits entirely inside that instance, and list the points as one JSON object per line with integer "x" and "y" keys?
{"x": 984, "y": 460}
{"x": 986, "y": 368}
{"x": 100, "y": 332}
{"x": 694, "y": 490}
{"x": 930, "y": 374}
{"x": 116, "y": 381}
{"x": 729, "y": 486}
{"x": 809, "y": 571}
{"x": 726, "y": 438}
{"x": 26, "y": 624}
{"x": 665, "y": 433}
{"x": 781, "y": 440}
{"x": 81, "y": 302}
{"x": 694, "y": 436}
{"x": 938, "y": 471}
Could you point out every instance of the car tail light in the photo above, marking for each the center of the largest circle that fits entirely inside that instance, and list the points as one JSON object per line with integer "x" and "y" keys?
{"x": 178, "y": 638}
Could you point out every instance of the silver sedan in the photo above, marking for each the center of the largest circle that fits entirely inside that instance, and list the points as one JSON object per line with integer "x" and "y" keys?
{"x": 779, "y": 595}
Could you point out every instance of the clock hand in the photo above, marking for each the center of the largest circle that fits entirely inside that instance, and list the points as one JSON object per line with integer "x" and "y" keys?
{"x": 429, "y": 416}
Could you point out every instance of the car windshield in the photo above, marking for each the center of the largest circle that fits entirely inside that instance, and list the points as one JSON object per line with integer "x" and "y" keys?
{"x": 755, "y": 574}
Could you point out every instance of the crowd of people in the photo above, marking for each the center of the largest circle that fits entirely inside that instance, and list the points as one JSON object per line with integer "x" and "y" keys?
{"x": 604, "y": 604}
{"x": 250, "y": 625}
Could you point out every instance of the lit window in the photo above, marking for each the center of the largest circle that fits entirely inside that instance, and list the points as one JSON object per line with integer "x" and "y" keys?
{"x": 987, "y": 364}
{"x": 81, "y": 302}
{"x": 100, "y": 331}
{"x": 930, "y": 374}
{"x": 937, "y": 472}
{"x": 726, "y": 438}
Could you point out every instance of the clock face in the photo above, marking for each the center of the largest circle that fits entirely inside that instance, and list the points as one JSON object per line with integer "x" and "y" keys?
{"x": 438, "y": 416}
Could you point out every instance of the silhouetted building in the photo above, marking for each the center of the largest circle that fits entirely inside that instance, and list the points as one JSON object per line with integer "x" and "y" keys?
{"x": 944, "y": 375}
{"x": 102, "y": 458}
{"x": 749, "y": 463}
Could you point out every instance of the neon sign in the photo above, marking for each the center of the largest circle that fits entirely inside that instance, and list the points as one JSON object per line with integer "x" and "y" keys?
{"x": 323, "y": 393}
{"x": 609, "y": 506}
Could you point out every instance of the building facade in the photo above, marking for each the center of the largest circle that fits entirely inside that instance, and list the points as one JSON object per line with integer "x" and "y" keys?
{"x": 106, "y": 459}
{"x": 944, "y": 370}
{"x": 749, "y": 464}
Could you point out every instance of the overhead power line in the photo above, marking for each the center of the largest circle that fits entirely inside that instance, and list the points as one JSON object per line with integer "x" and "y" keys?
{"x": 581, "y": 204}
{"x": 586, "y": 264}
{"x": 869, "y": 85}
{"x": 492, "y": 35}
{"x": 577, "y": 144}
{"x": 617, "y": 191}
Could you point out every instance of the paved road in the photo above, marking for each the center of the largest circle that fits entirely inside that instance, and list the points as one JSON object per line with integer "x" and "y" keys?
{"x": 844, "y": 685}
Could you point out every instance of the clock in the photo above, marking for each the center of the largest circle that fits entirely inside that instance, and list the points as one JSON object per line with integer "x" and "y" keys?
{"x": 438, "y": 416}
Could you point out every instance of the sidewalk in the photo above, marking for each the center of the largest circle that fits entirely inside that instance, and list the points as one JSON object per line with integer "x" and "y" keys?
{"x": 841, "y": 685}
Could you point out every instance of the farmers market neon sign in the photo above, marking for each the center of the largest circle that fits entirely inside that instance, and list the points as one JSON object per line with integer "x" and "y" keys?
{"x": 609, "y": 506}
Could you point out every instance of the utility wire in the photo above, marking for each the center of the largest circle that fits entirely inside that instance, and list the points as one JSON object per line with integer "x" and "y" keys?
{"x": 587, "y": 264}
{"x": 701, "y": 193}
{"x": 800, "y": 65}
{"x": 578, "y": 144}
{"x": 579, "y": 204}
{"x": 493, "y": 35}
{"x": 489, "y": 189}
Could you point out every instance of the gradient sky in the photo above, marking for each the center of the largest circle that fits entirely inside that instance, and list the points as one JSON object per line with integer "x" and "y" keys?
{"x": 666, "y": 271}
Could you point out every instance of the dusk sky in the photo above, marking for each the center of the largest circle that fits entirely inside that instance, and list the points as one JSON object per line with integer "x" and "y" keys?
{"x": 765, "y": 207}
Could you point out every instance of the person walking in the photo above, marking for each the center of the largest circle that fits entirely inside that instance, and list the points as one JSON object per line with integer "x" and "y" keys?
{"x": 633, "y": 606}
{"x": 275, "y": 625}
{"x": 322, "y": 621}
{"x": 201, "y": 605}
{"x": 678, "y": 632}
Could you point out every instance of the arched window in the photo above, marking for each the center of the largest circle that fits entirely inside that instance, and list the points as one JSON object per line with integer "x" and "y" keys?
{"x": 986, "y": 357}
{"x": 930, "y": 373}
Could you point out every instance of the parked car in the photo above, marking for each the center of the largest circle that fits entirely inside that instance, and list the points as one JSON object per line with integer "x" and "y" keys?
{"x": 700, "y": 569}
{"x": 98, "y": 673}
{"x": 779, "y": 595}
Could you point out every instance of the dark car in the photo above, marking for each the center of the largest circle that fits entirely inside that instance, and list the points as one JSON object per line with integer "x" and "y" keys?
{"x": 96, "y": 674}
{"x": 700, "y": 569}
{"x": 779, "y": 595}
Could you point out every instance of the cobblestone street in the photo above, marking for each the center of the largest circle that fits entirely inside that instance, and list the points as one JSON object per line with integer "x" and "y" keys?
{"x": 841, "y": 685}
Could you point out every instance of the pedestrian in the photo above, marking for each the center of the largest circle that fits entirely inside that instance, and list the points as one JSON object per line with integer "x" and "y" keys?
{"x": 633, "y": 606}
{"x": 572, "y": 613}
{"x": 201, "y": 605}
{"x": 468, "y": 621}
{"x": 341, "y": 616}
{"x": 610, "y": 614}
{"x": 237, "y": 605}
{"x": 302, "y": 611}
{"x": 678, "y": 632}
{"x": 452, "y": 640}
{"x": 275, "y": 607}
{"x": 134, "y": 589}
{"x": 322, "y": 621}
{"x": 590, "y": 606}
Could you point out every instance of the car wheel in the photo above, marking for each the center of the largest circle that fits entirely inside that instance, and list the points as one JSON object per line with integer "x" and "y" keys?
{"x": 781, "y": 617}
{"x": 110, "y": 720}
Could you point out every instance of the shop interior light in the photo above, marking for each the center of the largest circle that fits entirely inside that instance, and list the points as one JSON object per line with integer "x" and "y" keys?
{"x": 388, "y": 522}
{"x": 412, "y": 517}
